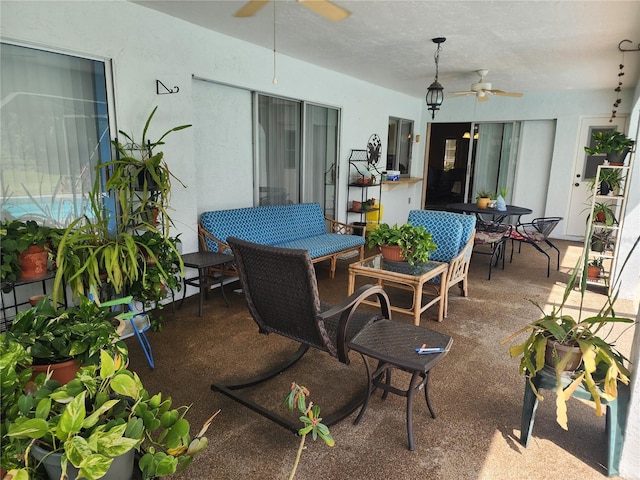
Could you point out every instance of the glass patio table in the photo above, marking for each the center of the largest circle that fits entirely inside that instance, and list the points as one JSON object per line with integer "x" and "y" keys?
{"x": 403, "y": 275}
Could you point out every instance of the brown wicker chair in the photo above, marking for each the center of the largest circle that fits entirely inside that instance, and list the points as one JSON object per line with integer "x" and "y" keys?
{"x": 281, "y": 291}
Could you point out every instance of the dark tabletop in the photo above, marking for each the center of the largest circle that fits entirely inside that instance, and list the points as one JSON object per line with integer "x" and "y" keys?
{"x": 205, "y": 259}
{"x": 395, "y": 342}
{"x": 473, "y": 208}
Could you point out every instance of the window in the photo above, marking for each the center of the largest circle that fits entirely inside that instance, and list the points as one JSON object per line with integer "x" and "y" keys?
{"x": 55, "y": 130}
{"x": 399, "y": 145}
{"x": 450, "y": 145}
{"x": 288, "y": 172}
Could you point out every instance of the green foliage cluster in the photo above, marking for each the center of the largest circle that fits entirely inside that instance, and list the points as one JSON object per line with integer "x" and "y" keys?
{"x": 609, "y": 141}
{"x": 78, "y": 332}
{"x": 415, "y": 242}
{"x": 101, "y": 414}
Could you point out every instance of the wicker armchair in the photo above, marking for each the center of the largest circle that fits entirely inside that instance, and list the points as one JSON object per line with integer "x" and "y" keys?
{"x": 281, "y": 291}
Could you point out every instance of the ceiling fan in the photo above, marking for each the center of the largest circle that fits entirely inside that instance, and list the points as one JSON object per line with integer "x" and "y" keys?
{"x": 482, "y": 90}
{"x": 325, "y": 8}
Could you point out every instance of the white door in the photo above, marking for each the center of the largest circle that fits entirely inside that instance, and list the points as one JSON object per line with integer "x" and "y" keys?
{"x": 584, "y": 168}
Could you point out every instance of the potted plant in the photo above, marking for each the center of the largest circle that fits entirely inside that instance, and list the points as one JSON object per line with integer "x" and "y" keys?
{"x": 554, "y": 339}
{"x": 603, "y": 213}
{"x": 594, "y": 269}
{"x": 96, "y": 423}
{"x": 614, "y": 144}
{"x": 483, "y": 198}
{"x": 411, "y": 244}
{"x": 601, "y": 240}
{"x": 141, "y": 177}
{"x": 25, "y": 249}
{"x": 63, "y": 340}
{"x": 159, "y": 262}
{"x": 609, "y": 181}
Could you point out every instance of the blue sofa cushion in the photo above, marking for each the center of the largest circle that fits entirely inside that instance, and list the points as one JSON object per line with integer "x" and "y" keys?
{"x": 268, "y": 224}
{"x": 325, "y": 244}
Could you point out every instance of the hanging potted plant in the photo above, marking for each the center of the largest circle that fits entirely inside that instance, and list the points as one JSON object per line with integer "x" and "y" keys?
{"x": 616, "y": 145}
{"x": 404, "y": 243}
{"x": 96, "y": 424}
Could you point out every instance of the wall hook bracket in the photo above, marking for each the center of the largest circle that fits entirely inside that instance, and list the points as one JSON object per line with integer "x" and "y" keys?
{"x": 165, "y": 90}
{"x": 637, "y": 49}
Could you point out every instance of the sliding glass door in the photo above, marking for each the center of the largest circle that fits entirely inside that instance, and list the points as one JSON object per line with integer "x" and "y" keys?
{"x": 492, "y": 158}
{"x": 297, "y": 150}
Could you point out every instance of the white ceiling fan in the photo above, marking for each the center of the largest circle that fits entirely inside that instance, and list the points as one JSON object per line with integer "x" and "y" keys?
{"x": 482, "y": 90}
{"x": 327, "y": 9}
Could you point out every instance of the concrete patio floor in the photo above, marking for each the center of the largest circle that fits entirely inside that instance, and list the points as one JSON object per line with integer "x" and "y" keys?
{"x": 476, "y": 390}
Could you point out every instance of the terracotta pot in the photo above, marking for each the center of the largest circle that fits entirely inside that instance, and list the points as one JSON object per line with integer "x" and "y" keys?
{"x": 35, "y": 299}
{"x": 483, "y": 202}
{"x": 62, "y": 372}
{"x": 392, "y": 253}
{"x": 593, "y": 272}
{"x": 562, "y": 350}
{"x": 33, "y": 263}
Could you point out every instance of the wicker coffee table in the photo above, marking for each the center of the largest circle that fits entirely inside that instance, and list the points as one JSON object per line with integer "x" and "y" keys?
{"x": 403, "y": 275}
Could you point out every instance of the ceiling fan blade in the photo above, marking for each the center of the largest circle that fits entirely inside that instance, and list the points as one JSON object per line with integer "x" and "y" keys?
{"x": 326, "y": 8}
{"x": 250, "y": 8}
{"x": 469, "y": 92}
{"x": 506, "y": 94}
{"x": 482, "y": 98}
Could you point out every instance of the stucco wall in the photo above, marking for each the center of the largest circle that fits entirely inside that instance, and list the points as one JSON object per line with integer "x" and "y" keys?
{"x": 173, "y": 51}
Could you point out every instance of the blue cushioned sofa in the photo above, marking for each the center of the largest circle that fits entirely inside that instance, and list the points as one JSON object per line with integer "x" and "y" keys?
{"x": 453, "y": 234}
{"x": 301, "y": 226}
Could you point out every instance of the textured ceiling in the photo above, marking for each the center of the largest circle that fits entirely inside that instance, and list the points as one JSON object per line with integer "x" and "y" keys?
{"x": 527, "y": 46}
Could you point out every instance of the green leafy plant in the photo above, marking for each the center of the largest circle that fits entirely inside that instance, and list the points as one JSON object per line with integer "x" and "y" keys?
{"x": 311, "y": 420}
{"x": 139, "y": 169}
{"x": 414, "y": 241}
{"x": 601, "y": 367}
{"x": 609, "y": 141}
{"x": 78, "y": 332}
{"x": 97, "y": 250}
{"x": 595, "y": 262}
{"x": 601, "y": 239}
{"x": 483, "y": 194}
{"x": 603, "y": 213}
{"x": 610, "y": 179}
{"x": 101, "y": 414}
{"x": 159, "y": 262}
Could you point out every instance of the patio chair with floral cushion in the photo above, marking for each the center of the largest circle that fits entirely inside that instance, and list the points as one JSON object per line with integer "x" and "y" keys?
{"x": 536, "y": 233}
{"x": 491, "y": 239}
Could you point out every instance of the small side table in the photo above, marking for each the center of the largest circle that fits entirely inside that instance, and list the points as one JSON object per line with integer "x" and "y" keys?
{"x": 393, "y": 344}
{"x": 615, "y": 421}
{"x": 202, "y": 261}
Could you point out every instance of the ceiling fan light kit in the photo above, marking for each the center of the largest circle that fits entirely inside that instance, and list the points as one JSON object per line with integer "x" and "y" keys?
{"x": 482, "y": 89}
{"x": 435, "y": 92}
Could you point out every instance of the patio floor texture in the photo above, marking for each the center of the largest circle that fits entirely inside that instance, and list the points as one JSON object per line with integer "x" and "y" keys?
{"x": 476, "y": 391}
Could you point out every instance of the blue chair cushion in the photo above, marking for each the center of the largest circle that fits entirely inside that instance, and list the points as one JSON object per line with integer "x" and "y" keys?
{"x": 450, "y": 231}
